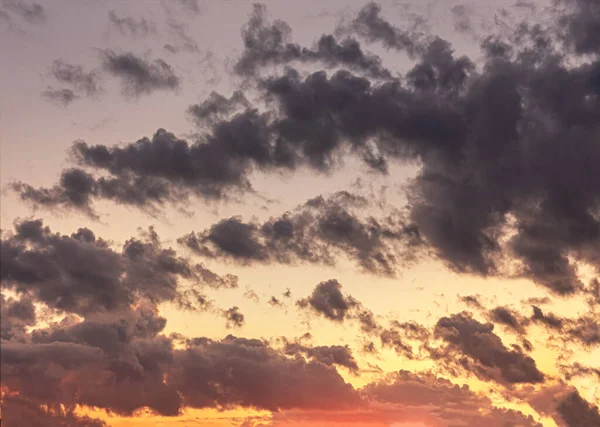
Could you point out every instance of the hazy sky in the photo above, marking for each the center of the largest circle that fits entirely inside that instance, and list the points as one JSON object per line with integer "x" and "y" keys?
{"x": 300, "y": 213}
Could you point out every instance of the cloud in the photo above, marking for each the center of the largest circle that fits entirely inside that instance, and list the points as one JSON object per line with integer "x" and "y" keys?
{"x": 316, "y": 232}
{"x": 235, "y": 319}
{"x": 435, "y": 401}
{"x": 19, "y": 412}
{"x": 564, "y": 404}
{"x": 81, "y": 83}
{"x": 372, "y": 27}
{"x": 17, "y": 314}
{"x": 509, "y": 318}
{"x": 82, "y": 274}
{"x": 488, "y": 139}
{"x": 138, "y": 75}
{"x": 184, "y": 41}
{"x": 577, "y": 412}
{"x": 584, "y": 330}
{"x": 34, "y": 13}
{"x": 328, "y": 355}
{"x": 62, "y": 97}
{"x": 128, "y": 26}
{"x": 216, "y": 108}
{"x": 581, "y": 22}
{"x": 328, "y": 300}
{"x": 475, "y": 346}
{"x": 267, "y": 43}
{"x": 462, "y": 15}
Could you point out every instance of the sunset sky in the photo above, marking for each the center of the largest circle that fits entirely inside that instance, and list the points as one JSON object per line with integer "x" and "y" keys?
{"x": 300, "y": 213}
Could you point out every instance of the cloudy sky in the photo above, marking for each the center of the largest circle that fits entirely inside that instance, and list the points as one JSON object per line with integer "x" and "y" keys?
{"x": 300, "y": 213}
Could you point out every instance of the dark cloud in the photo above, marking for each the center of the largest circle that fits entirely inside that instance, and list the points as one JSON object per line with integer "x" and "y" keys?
{"x": 275, "y": 302}
{"x": 268, "y": 43}
{"x": 234, "y": 318}
{"x": 62, "y": 97}
{"x": 509, "y": 318}
{"x": 577, "y": 412}
{"x": 550, "y": 320}
{"x": 372, "y": 27}
{"x": 426, "y": 398}
{"x": 462, "y": 15}
{"x": 581, "y": 22}
{"x": 128, "y": 26}
{"x": 328, "y": 301}
{"x": 140, "y": 76}
{"x": 482, "y": 352}
{"x": 33, "y": 13}
{"x": 20, "y": 412}
{"x": 184, "y": 42}
{"x": 579, "y": 370}
{"x": 584, "y": 329}
{"x": 400, "y": 337}
{"x": 328, "y": 355}
{"x": 17, "y": 314}
{"x": 216, "y": 108}
{"x": 188, "y": 6}
{"x": 82, "y": 274}
{"x": 317, "y": 232}
{"x": 254, "y": 374}
{"x": 489, "y": 140}
{"x": 85, "y": 83}
{"x": 472, "y": 301}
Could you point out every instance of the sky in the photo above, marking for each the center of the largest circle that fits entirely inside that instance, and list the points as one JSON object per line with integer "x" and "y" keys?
{"x": 300, "y": 213}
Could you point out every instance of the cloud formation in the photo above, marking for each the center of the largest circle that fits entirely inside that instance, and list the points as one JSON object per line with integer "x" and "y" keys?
{"x": 32, "y": 12}
{"x": 128, "y": 26}
{"x": 138, "y": 75}
{"x": 268, "y": 43}
{"x": 477, "y": 348}
{"x": 317, "y": 232}
{"x": 82, "y": 274}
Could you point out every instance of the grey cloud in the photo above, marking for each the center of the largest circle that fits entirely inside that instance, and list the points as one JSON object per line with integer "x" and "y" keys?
{"x": 62, "y": 97}
{"x": 85, "y": 83}
{"x": 188, "y": 6}
{"x": 579, "y": 370}
{"x": 328, "y": 355}
{"x": 82, "y": 274}
{"x": 577, "y": 412}
{"x": 17, "y": 314}
{"x": 584, "y": 329}
{"x": 461, "y": 15}
{"x": 140, "y": 76}
{"x": 216, "y": 108}
{"x": 489, "y": 141}
{"x": 328, "y": 300}
{"x": 184, "y": 41}
{"x": 509, "y": 318}
{"x": 275, "y": 302}
{"x": 33, "y": 13}
{"x": 438, "y": 401}
{"x": 268, "y": 43}
{"x": 257, "y": 375}
{"x": 20, "y": 412}
{"x": 128, "y": 26}
{"x": 234, "y": 318}
{"x": 372, "y": 27}
{"x": 472, "y": 301}
{"x": 316, "y": 232}
{"x": 581, "y": 20}
{"x": 487, "y": 356}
